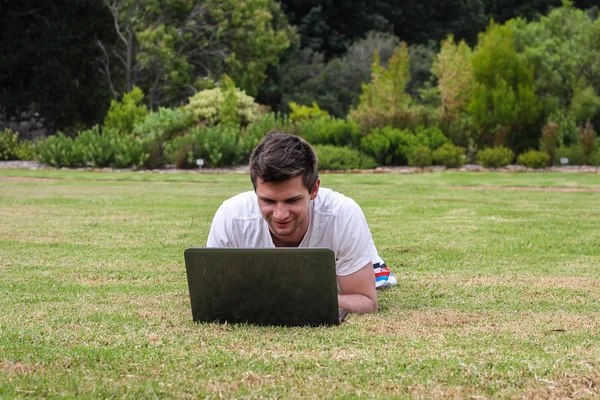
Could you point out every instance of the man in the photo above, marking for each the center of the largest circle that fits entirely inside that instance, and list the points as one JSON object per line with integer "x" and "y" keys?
{"x": 288, "y": 208}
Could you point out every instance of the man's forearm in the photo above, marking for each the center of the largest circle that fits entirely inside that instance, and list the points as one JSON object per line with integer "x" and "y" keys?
{"x": 357, "y": 303}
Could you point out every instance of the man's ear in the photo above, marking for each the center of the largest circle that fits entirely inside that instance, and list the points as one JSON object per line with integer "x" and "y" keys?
{"x": 315, "y": 190}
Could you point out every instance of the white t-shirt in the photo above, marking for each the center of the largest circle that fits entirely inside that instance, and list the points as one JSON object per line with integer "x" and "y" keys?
{"x": 335, "y": 221}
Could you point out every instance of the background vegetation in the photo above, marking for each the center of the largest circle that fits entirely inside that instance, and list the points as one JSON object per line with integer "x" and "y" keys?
{"x": 168, "y": 82}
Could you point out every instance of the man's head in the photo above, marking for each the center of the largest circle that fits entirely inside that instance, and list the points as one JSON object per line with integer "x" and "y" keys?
{"x": 280, "y": 157}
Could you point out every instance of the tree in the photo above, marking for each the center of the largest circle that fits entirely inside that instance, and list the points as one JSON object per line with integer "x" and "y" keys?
{"x": 49, "y": 61}
{"x": 173, "y": 48}
{"x": 504, "y": 103}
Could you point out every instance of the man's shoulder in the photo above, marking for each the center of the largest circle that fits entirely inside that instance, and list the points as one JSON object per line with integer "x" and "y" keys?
{"x": 243, "y": 205}
{"x": 331, "y": 202}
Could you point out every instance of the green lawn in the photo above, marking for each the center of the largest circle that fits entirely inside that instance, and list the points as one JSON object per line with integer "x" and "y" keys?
{"x": 498, "y": 294}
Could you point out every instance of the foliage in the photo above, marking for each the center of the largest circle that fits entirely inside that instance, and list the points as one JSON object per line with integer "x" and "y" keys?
{"x": 110, "y": 148}
{"x": 172, "y": 47}
{"x": 549, "y": 141}
{"x": 573, "y": 154}
{"x": 59, "y": 151}
{"x": 563, "y": 48}
{"x": 228, "y": 108}
{"x": 449, "y": 156}
{"x": 302, "y": 112}
{"x": 504, "y": 103}
{"x": 389, "y": 146}
{"x": 183, "y": 151}
{"x": 384, "y": 97}
{"x": 534, "y": 159}
{"x": 253, "y": 133}
{"x": 206, "y": 107}
{"x": 566, "y": 127}
{"x": 587, "y": 141}
{"x": 419, "y": 156}
{"x": 125, "y": 114}
{"x": 166, "y": 123}
{"x": 495, "y": 157}
{"x": 453, "y": 69}
{"x": 218, "y": 145}
{"x": 329, "y": 130}
{"x": 432, "y": 138}
{"x": 342, "y": 158}
{"x": 9, "y": 145}
{"x": 49, "y": 69}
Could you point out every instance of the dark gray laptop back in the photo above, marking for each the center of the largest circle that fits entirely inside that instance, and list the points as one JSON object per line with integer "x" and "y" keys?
{"x": 270, "y": 286}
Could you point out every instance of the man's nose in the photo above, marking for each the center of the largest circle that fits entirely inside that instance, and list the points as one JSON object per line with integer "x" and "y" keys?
{"x": 281, "y": 212}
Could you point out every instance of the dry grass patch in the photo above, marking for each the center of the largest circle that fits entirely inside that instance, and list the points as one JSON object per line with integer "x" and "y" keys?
{"x": 11, "y": 369}
{"x": 530, "y": 188}
{"x": 567, "y": 386}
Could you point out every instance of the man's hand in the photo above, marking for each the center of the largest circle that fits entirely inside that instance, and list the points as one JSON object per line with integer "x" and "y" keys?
{"x": 358, "y": 291}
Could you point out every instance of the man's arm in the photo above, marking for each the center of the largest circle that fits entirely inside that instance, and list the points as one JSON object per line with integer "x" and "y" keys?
{"x": 358, "y": 291}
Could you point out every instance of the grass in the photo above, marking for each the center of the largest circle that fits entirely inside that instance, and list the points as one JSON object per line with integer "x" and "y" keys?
{"x": 498, "y": 295}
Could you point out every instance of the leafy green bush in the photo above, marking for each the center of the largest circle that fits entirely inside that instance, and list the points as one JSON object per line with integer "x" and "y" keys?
{"x": 587, "y": 141}
{"x": 183, "y": 151}
{"x": 329, "y": 130}
{"x": 389, "y": 146}
{"x": 595, "y": 159}
{"x": 573, "y": 154}
{"x": 419, "y": 156}
{"x": 166, "y": 123}
{"x": 549, "y": 140}
{"x": 495, "y": 157}
{"x": 59, "y": 151}
{"x": 11, "y": 148}
{"x": 96, "y": 149}
{"x": 205, "y": 106}
{"x": 301, "y": 112}
{"x": 253, "y": 133}
{"x": 217, "y": 145}
{"x": 125, "y": 114}
{"x": 534, "y": 159}
{"x": 332, "y": 157}
{"x": 431, "y": 137}
{"x": 449, "y": 156}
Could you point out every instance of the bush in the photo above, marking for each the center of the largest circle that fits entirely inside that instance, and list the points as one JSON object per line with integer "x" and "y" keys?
{"x": 595, "y": 159}
{"x": 587, "y": 141}
{"x": 166, "y": 123}
{"x": 329, "y": 130}
{"x": 431, "y": 137}
{"x": 573, "y": 154}
{"x": 389, "y": 146}
{"x": 254, "y": 132}
{"x": 217, "y": 145}
{"x": 205, "y": 106}
{"x": 125, "y": 114}
{"x": 183, "y": 152}
{"x": 534, "y": 159}
{"x": 419, "y": 156}
{"x": 496, "y": 157}
{"x": 344, "y": 158}
{"x": 301, "y": 112}
{"x": 549, "y": 140}
{"x": 449, "y": 156}
{"x": 110, "y": 148}
{"x": 59, "y": 151}
{"x": 11, "y": 148}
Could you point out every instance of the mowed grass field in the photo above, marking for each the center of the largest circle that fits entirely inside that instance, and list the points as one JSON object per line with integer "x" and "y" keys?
{"x": 498, "y": 294}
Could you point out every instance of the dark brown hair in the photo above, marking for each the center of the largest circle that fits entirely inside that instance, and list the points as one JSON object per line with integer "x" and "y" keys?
{"x": 280, "y": 157}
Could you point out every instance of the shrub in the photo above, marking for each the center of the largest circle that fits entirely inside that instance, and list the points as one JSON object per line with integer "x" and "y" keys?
{"x": 95, "y": 148}
{"x": 344, "y": 158}
{"x": 587, "y": 141}
{"x": 449, "y": 156}
{"x": 595, "y": 159}
{"x": 389, "y": 146}
{"x": 573, "y": 154}
{"x": 125, "y": 114}
{"x": 59, "y": 151}
{"x": 431, "y": 137}
{"x": 253, "y": 133}
{"x": 495, "y": 157}
{"x": 534, "y": 159}
{"x": 218, "y": 145}
{"x": 166, "y": 123}
{"x": 419, "y": 156}
{"x": 11, "y": 148}
{"x": 549, "y": 140}
{"x": 183, "y": 152}
{"x": 301, "y": 112}
{"x": 329, "y": 130}
{"x": 205, "y": 106}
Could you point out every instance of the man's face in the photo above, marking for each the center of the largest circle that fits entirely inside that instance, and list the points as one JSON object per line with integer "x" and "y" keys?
{"x": 284, "y": 206}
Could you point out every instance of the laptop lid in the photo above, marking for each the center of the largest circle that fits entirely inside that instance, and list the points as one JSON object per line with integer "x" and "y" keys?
{"x": 266, "y": 286}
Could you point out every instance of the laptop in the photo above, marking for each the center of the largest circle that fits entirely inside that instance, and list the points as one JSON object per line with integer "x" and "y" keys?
{"x": 263, "y": 286}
